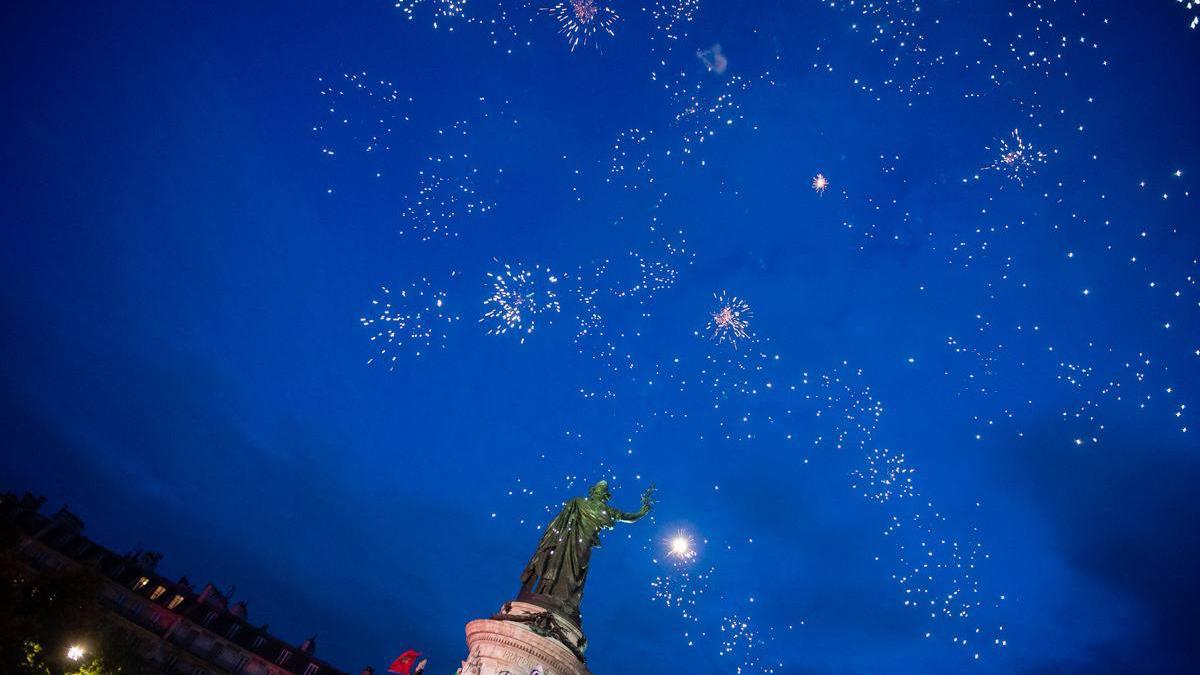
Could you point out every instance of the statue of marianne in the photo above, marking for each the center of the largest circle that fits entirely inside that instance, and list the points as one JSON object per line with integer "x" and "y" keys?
{"x": 559, "y": 566}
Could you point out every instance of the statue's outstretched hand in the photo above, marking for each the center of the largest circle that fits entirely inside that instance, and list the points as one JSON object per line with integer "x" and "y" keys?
{"x": 648, "y": 497}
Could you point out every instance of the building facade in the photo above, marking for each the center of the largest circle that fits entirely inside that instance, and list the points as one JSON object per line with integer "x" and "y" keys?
{"x": 178, "y": 630}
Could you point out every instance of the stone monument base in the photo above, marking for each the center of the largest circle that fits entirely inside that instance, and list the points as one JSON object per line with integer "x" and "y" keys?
{"x": 524, "y": 639}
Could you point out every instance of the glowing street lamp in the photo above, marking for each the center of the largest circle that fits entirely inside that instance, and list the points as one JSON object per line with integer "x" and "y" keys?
{"x": 75, "y": 652}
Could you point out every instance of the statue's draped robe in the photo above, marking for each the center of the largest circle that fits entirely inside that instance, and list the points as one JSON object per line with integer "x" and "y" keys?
{"x": 559, "y": 566}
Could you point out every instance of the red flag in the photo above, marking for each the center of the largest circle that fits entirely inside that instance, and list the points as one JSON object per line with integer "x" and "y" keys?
{"x": 404, "y": 664}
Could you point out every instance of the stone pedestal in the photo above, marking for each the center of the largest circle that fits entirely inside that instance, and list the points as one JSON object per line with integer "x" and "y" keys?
{"x": 524, "y": 639}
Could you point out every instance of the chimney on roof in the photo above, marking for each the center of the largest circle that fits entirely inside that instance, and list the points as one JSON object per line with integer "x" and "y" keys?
{"x": 211, "y": 596}
{"x": 185, "y": 584}
{"x": 148, "y": 559}
{"x": 32, "y": 502}
{"x": 63, "y": 522}
{"x": 239, "y": 609}
{"x": 310, "y": 645}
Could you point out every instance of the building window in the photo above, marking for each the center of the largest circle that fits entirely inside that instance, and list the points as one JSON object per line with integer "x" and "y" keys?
{"x": 233, "y": 631}
{"x": 158, "y": 592}
{"x": 258, "y": 642}
{"x": 212, "y": 616}
{"x": 175, "y": 602}
{"x": 141, "y": 582}
{"x": 311, "y": 669}
{"x": 284, "y": 655}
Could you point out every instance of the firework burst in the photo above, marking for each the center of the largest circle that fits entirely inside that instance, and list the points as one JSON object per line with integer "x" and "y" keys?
{"x": 518, "y": 297}
{"x": 731, "y": 321}
{"x": 681, "y": 546}
{"x": 1017, "y": 158}
{"x": 583, "y": 20}
{"x": 820, "y": 183}
{"x": 414, "y": 317}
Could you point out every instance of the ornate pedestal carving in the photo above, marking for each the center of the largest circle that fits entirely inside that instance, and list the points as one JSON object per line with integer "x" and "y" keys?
{"x": 524, "y": 639}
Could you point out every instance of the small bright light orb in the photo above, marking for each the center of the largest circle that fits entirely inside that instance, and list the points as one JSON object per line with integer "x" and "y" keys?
{"x": 680, "y": 546}
{"x": 75, "y": 652}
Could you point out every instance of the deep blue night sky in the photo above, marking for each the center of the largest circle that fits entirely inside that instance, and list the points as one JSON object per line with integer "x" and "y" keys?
{"x": 186, "y": 265}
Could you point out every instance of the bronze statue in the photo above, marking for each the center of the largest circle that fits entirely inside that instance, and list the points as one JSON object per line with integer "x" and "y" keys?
{"x": 558, "y": 569}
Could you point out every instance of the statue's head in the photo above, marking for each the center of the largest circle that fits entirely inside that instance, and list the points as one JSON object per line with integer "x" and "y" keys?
{"x": 600, "y": 492}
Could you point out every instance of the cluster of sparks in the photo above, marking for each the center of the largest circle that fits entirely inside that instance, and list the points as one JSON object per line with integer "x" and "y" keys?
{"x": 1194, "y": 7}
{"x": 731, "y": 321}
{"x": 885, "y": 476}
{"x": 518, "y": 298}
{"x": 442, "y": 200}
{"x": 681, "y": 591}
{"x": 441, "y": 9}
{"x": 583, "y": 21}
{"x": 741, "y": 640}
{"x": 895, "y": 30}
{"x": 706, "y": 105}
{"x": 1017, "y": 159}
{"x": 414, "y": 317}
{"x": 670, "y": 16}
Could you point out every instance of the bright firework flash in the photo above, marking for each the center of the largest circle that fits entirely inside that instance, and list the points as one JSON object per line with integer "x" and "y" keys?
{"x": 820, "y": 183}
{"x": 518, "y": 297}
{"x": 731, "y": 321}
{"x": 681, "y": 547}
{"x": 1017, "y": 158}
{"x": 582, "y": 20}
